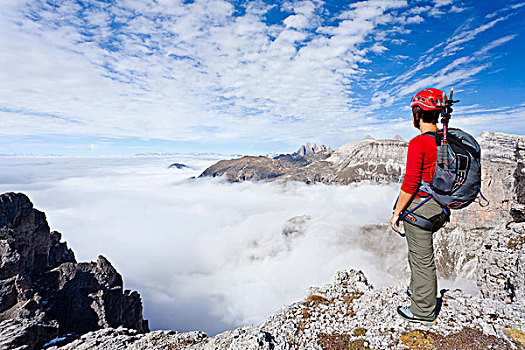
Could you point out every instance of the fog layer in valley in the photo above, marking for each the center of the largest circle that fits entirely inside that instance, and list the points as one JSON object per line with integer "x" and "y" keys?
{"x": 205, "y": 254}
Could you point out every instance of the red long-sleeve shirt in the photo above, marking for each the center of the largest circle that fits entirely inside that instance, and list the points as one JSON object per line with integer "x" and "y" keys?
{"x": 421, "y": 163}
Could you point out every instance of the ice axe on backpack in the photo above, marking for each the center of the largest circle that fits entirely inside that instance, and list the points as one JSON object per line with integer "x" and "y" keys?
{"x": 445, "y": 117}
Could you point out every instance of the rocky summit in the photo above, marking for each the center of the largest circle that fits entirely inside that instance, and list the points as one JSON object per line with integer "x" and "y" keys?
{"x": 45, "y": 293}
{"x": 309, "y": 149}
{"x": 482, "y": 244}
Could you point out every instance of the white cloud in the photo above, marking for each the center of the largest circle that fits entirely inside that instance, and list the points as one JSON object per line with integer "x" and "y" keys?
{"x": 415, "y": 19}
{"x": 453, "y": 44}
{"x": 296, "y": 21}
{"x": 378, "y": 48}
{"x": 417, "y": 10}
{"x": 461, "y": 69}
{"x": 495, "y": 43}
{"x": 440, "y": 3}
{"x": 438, "y": 10}
{"x": 509, "y": 120}
{"x": 510, "y": 7}
{"x": 444, "y": 78}
{"x": 435, "y": 68}
{"x": 457, "y": 9}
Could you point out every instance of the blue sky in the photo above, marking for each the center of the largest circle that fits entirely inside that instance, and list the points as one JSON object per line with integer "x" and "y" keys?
{"x": 248, "y": 77}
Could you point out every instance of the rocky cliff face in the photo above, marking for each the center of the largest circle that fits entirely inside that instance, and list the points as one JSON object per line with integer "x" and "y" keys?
{"x": 44, "y": 292}
{"x": 346, "y": 314}
{"x": 378, "y": 161}
{"x": 309, "y": 149}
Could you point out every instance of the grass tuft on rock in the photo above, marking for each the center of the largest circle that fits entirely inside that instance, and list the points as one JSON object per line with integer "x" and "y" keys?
{"x": 359, "y": 332}
{"x": 517, "y": 335}
{"x": 314, "y": 299}
{"x": 418, "y": 340}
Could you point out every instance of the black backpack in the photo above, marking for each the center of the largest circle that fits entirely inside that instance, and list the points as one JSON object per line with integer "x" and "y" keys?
{"x": 457, "y": 180}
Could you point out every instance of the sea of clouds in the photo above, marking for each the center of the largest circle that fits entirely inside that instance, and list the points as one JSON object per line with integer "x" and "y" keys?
{"x": 206, "y": 254}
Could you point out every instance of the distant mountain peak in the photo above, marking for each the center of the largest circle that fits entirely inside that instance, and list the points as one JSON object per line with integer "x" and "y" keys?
{"x": 308, "y": 149}
{"x": 399, "y": 138}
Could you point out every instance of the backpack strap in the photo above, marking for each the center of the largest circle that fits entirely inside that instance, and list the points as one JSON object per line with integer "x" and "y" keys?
{"x": 433, "y": 133}
{"x": 404, "y": 214}
{"x": 438, "y": 134}
{"x": 430, "y": 224}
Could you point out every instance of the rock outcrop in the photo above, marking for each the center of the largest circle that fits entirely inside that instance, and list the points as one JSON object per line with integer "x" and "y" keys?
{"x": 375, "y": 161}
{"x": 346, "y": 314}
{"x": 383, "y": 161}
{"x": 487, "y": 243}
{"x": 44, "y": 292}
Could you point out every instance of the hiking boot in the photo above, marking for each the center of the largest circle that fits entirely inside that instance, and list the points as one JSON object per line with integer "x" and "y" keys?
{"x": 405, "y": 312}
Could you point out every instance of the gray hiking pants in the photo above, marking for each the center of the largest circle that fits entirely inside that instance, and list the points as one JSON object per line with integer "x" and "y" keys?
{"x": 423, "y": 279}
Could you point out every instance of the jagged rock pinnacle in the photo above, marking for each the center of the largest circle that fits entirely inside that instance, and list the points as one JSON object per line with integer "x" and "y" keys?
{"x": 45, "y": 292}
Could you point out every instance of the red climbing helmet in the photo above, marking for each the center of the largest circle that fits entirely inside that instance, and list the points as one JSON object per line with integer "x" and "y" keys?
{"x": 429, "y": 99}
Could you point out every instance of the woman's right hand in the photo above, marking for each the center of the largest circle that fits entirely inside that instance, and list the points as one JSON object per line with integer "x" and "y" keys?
{"x": 394, "y": 222}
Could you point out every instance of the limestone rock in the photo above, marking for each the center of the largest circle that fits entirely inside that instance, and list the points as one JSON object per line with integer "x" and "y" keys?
{"x": 28, "y": 233}
{"x": 503, "y": 181}
{"x": 378, "y": 161}
{"x": 88, "y": 296}
{"x": 44, "y": 292}
{"x": 59, "y": 252}
{"x": 501, "y": 264}
{"x": 130, "y": 339}
{"x": 309, "y": 149}
{"x": 295, "y": 226}
{"x": 345, "y": 313}
{"x": 399, "y": 138}
{"x": 25, "y": 334}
